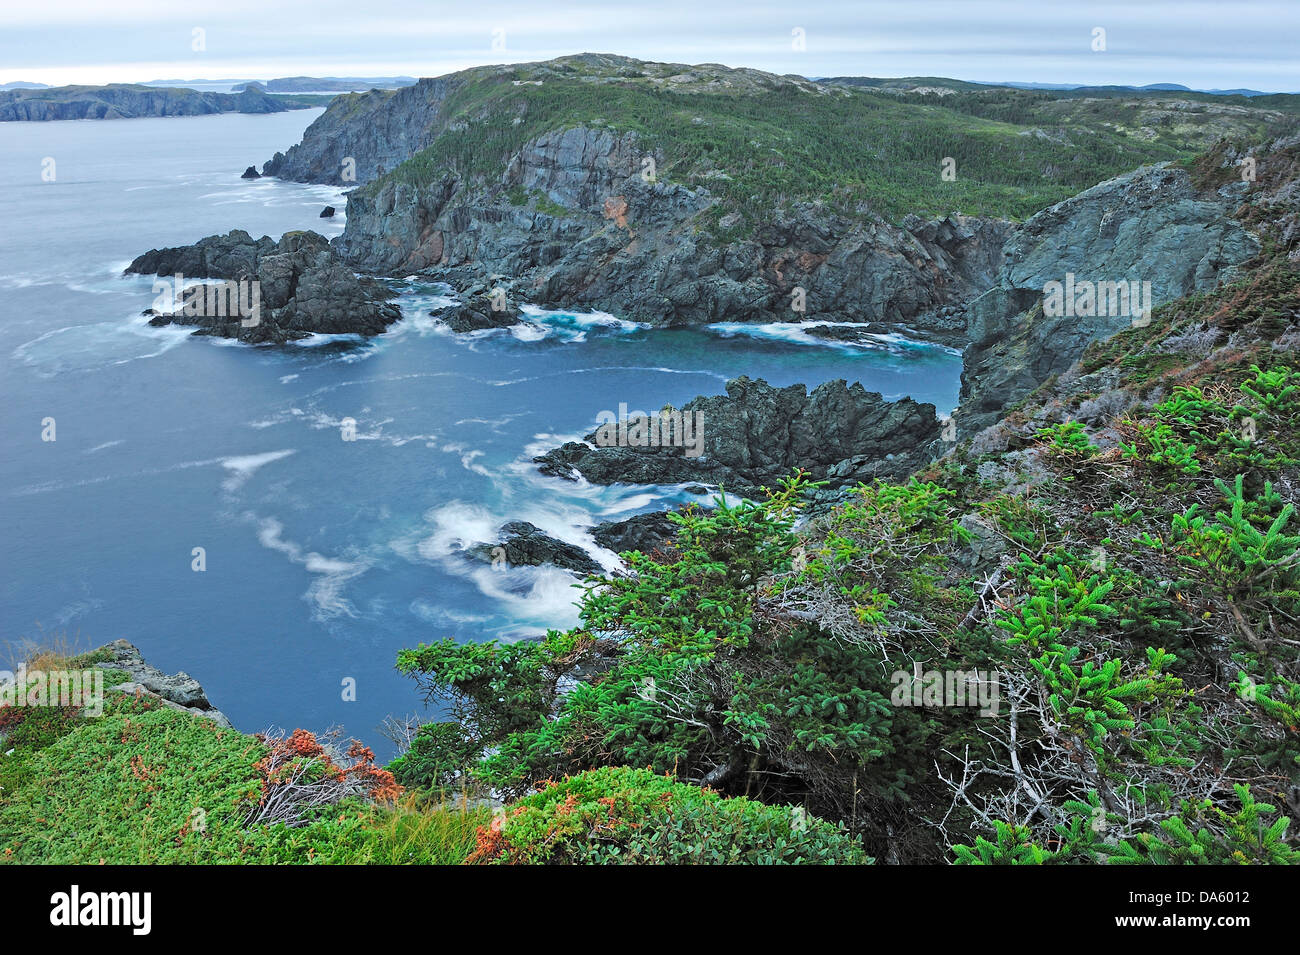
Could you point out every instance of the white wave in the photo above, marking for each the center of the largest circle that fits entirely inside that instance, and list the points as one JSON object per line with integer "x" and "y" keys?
{"x": 332, "y": 573}
{"x": 467, "y": 458}
{"x": 532, "y": 596}
{"x": 494, "y": 424}
{"x": 101, "y": 447}
{"x": 364, "y": 429}
{"x": 443, "y": 616}
{"x": 542, "y": 596}
{"x": 579, "y": 319}
{"x": 75, "y": 348}
{"x": 528, "y": 332}
{"x": 320, "y": 338}
{"x": 245, "y": 466}
{"x": 456, "y": 526}
{"x": 797, "y": 333}
{"x": 104, "y": 478}
{"x": 285, "y": 379}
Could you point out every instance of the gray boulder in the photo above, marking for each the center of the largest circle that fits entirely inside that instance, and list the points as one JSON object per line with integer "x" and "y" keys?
{"x": 644, "y": 532}
{"x": 179, "y": 690}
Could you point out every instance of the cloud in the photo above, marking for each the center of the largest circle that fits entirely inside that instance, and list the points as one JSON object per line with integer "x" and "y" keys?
{"x": 1201, "y": 44}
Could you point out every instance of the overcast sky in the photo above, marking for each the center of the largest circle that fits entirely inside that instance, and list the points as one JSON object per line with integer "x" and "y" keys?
{"x": 1222, "y": 44}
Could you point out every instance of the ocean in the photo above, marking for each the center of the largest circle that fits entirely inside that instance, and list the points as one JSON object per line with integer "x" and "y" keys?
{"x": 322, "y": 557}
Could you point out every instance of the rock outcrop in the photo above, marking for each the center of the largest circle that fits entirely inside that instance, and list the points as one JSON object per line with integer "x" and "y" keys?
{"x": 573, "y": 216}
{"x": 338, "y": 150}
{"x": 755, "y": 435}
{"x": 177, "y": 690}
{"x": 1151, "y": 225}
{"x": 297, "y": 287}
{"x": 251, "y": 173}
{"x": 525, "y": 544}
{"x": 644, "y": 532}
{"x": 479, "y": 309}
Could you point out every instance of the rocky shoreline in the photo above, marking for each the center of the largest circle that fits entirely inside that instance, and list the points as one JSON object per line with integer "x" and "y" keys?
{"x": 130, "y": 101}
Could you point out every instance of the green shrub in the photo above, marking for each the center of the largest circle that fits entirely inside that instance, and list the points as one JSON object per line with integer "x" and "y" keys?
{"x": 635, "y": 817}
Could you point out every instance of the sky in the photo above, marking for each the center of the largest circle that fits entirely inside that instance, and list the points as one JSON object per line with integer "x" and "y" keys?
{"x": 1223, "y": 44}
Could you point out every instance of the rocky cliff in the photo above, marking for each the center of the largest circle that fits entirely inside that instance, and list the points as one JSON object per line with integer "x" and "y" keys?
{"x": 360, "y": 136}
{"x": 673, "y": 194}
{"x": 682, "y": 194}
{"x": 1149, "y": 226}
{"x": 575, "y": 224}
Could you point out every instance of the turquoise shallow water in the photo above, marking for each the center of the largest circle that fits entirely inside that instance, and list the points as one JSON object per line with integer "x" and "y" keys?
{"x": 323, "y": 556}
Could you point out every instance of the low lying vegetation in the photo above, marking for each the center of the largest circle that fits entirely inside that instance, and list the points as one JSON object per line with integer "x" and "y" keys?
{"x": 1082, "y": 649}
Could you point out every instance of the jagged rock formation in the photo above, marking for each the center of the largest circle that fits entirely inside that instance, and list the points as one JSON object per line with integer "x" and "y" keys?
{"x": 127, "y": 101}
{"x": 574, "y": 218}
{"x": 526, "y": 544}
{"x": 606, "y": 238}
{"x": 530, "y": 171}
{"x": 480, "y": 308}
{"x": 644, "y": 532}
{"x": 397, "y": 125}
{"x": 1151, "y": 225}
{"x": 178, "y": 690}
{"x": 756, "y": 434}
{"x": 302, "y": 288}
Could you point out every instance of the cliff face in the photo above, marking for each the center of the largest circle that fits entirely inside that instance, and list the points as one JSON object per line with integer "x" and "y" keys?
{"x": 574, "y": 223}
{"x": 123, "y": 101}
{"x": 1150, "y": 226}
{"x": 377, "y": 130}
{"x": 686, "y": 194}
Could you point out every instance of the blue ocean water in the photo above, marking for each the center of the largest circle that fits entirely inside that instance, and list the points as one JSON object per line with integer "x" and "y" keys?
{"x": 324, "y": 557}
